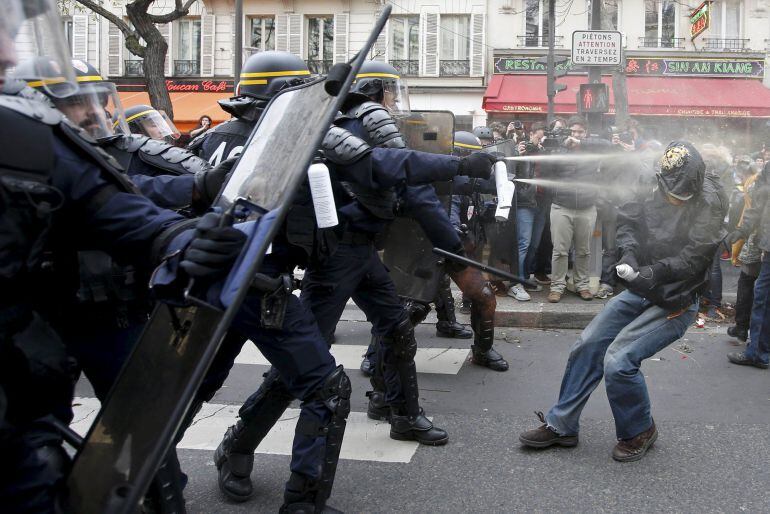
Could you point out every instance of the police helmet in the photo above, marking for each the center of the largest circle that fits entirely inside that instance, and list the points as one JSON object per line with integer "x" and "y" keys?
{"x": 483, "y": 133}
{"x": 383, "y": 84}
{"x": 91, "y": 105}
{"x": 266, "y": 73}
{"x": 145, "y": 120}
{"x": 465, "y": 143}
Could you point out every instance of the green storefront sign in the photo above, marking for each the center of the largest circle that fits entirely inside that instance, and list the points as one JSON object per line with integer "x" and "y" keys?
{"x": 651, "y": 66}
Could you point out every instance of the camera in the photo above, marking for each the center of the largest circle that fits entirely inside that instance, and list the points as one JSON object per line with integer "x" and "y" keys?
{"x": 624, "y": 136}
{"x": 554, "y": 140}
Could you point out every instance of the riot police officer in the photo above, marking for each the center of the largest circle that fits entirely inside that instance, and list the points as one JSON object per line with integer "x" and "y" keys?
{"x": 262, "y": 76}
{"x": 147, "y": 121}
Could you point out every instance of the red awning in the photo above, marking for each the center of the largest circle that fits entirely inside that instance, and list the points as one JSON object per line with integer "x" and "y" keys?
{"x": 661, "y": 96}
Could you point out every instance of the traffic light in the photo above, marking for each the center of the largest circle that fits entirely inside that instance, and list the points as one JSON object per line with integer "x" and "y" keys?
{"x": 560, "y": 70}
{"x": 593, "y": 98}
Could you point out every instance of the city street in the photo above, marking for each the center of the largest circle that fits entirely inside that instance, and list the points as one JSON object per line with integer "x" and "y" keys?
{"x": 711, "y": 454}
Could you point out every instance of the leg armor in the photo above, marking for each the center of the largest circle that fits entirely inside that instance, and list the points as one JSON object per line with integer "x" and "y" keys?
{"x": 483, "y": 305}
{"x": 408, "y": 422}
{"x": 309, "y": 494}
{"x": 165, "y": 493}
{"x": 378, "y": 408}
{"x": 234, "y": 457}
{"x": 447, "y": 325}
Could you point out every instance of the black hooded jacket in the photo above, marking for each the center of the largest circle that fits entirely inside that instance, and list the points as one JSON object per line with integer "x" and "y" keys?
{"x": 677, "y": 242}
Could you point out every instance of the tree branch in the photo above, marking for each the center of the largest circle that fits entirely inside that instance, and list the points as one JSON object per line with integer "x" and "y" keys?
{"x": 132, "y": 38}
{"x": 180, "y": 11}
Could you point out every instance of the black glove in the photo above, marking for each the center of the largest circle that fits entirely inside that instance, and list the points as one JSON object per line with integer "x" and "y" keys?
{"x": 733, "y": 237}
{"x": 649, "y": 277}
{"x": 209, "y": 182}
{"x": 628, "y": 258}
{"x": 213, "y": 248}
{"x": 462, "y": 230}
{"x": 477, "y": 165}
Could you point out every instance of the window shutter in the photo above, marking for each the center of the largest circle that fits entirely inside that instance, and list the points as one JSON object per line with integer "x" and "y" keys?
{"x": 208, "y": 22}
{"x": 430, "y": 25}
{"x": 477, "y": 45}
{"x": 282, "y": 32}
{"x": 295, "y": 34}
{"x": 80, "y": 37}
{"x": 114, "y": 51}
{"x": 94, "y": 45}
{"x": 341, "y": 22}
{"x": 165, "y": 31}
{"x": 380, "y": 48}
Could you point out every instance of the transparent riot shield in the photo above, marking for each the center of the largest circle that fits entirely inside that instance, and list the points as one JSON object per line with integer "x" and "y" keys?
{"x": 140, "y": 417}
{"x": 408, "y": 253}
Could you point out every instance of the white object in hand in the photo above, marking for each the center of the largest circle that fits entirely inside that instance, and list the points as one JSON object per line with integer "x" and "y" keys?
{"x": 323, "y": 196}
{"x": 626, "y": 272}
{"x": 505, "y": 191}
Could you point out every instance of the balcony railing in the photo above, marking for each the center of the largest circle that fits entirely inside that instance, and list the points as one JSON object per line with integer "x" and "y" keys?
{"x": 454, "y": 68}
{"x": 728, "y": 44}
{"x": 656, "y": 42}
{"x": 539, "y": 41}
{"x": 406, "y": 67}
{"x": 133, "y": 68}
{"x": 186, "y": 68}
{"x": 319, "y": 66}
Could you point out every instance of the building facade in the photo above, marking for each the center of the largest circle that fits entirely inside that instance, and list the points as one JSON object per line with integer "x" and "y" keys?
{"x": 475, "y": 58}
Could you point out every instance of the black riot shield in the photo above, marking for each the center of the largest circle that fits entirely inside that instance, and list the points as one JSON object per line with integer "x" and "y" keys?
{"x": 137, "y": 423}
{"x": 407, "y": 252}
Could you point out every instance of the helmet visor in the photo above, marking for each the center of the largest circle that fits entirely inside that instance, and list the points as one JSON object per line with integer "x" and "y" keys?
{"x": 153, "y": 124}
{"x": 395, "y": 94}
{"x": 93, "y": 107}
{"x": 35, "y": 29}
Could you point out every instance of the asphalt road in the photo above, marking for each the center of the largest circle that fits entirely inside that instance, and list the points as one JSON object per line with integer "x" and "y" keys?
{"x": 711, "y": 454}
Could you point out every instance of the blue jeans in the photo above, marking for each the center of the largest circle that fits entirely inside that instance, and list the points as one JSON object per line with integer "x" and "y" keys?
{"x": 759, "y": 343}
{"x": 628, "y": 330}
{"x": 525, "y": 222}
{"x": 542, "y": 214}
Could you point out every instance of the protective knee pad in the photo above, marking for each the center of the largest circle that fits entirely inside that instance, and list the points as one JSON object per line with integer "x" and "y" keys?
{"x": 483, "y": 319}
{"x": 404, "y": 343}
{"x": 416, "y": 310}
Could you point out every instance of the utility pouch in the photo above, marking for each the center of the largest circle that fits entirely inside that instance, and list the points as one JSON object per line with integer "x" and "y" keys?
{"x": 275, "y": 298}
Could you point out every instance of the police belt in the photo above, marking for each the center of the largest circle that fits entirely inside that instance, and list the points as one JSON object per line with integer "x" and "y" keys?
{"x": 357, "y": 238}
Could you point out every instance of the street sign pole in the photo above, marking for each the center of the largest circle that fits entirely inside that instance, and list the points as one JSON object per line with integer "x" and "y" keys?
{"x": 595, "y": 72}
{"x": 550, "y": 67}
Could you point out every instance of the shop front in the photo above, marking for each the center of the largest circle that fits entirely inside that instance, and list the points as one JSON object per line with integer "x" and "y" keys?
{"x": 707, "y": 99}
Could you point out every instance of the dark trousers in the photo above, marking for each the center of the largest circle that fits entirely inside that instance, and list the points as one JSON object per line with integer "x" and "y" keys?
{"x": 745, "y": 300}
{"x": 608, "y": 215}
{"x": 540, "y": 246}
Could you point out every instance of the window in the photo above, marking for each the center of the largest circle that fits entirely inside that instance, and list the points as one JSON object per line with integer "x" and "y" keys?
{"x": 404, "y": 38}
{"x": 660, "y": 23}
{"x": 188, "y": 40}
{"x": 187, "y": 47}
{"x": 726, "y": 19}
{"x": 320, "y": 39}
{"x": 610, "y": 14}
{"x": 536, "y": 23}
{"x": 262, "y": 34}
{"x": 67, "y": 27}
{"x": 455, "y": 37}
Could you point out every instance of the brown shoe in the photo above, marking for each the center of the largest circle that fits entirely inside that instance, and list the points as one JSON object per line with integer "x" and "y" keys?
{"x": 544, "y": 436}
{"x": 554, "y": 297}
{"x": 586, "y": 295}
{"x": 629, "y": 450}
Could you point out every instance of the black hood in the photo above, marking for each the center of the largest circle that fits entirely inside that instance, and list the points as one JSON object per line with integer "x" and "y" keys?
{"x": 682, "y": 170}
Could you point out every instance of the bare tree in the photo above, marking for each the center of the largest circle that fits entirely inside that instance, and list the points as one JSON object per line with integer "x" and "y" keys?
{"x": 144, "y": 40}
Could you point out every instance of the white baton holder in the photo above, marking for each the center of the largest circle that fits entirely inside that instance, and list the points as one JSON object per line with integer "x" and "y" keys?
{"x": 323, "y": 196}
{"x": 505, "y": 190}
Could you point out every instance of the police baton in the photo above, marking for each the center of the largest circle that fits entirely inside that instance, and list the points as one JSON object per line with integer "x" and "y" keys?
{"x": 483, "y": 267}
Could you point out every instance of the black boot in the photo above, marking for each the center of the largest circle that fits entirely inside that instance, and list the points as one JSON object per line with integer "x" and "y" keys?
{"x": 738, "y": 332}
{"x": 234, "y": 457}
{"x": 367, "y": 366}
{"x": 415, "y": 428}
{"x": 447, "y": 325}
{"x": 482, "y": 352}
{"x": 300, "y": 496}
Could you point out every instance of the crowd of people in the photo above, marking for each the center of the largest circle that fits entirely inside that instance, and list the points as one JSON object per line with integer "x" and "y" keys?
{"x": 98, "y": 203}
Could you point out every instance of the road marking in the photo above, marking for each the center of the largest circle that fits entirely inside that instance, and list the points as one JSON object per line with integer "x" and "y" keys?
{"x": 365, "y": 439}
{"x": 443, "y": 361}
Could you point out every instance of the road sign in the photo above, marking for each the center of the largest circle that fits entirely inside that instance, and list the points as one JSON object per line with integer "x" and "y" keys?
{"x": 594, "y": 98}
{"x": 597, "y": 48}
{"x": 700, "y": 19}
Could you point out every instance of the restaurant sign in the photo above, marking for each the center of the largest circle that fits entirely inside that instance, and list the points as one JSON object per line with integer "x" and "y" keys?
{"x": 178, "y": 86}
{"x": 700, "y": 19}
{"x": 738, "y": 67}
